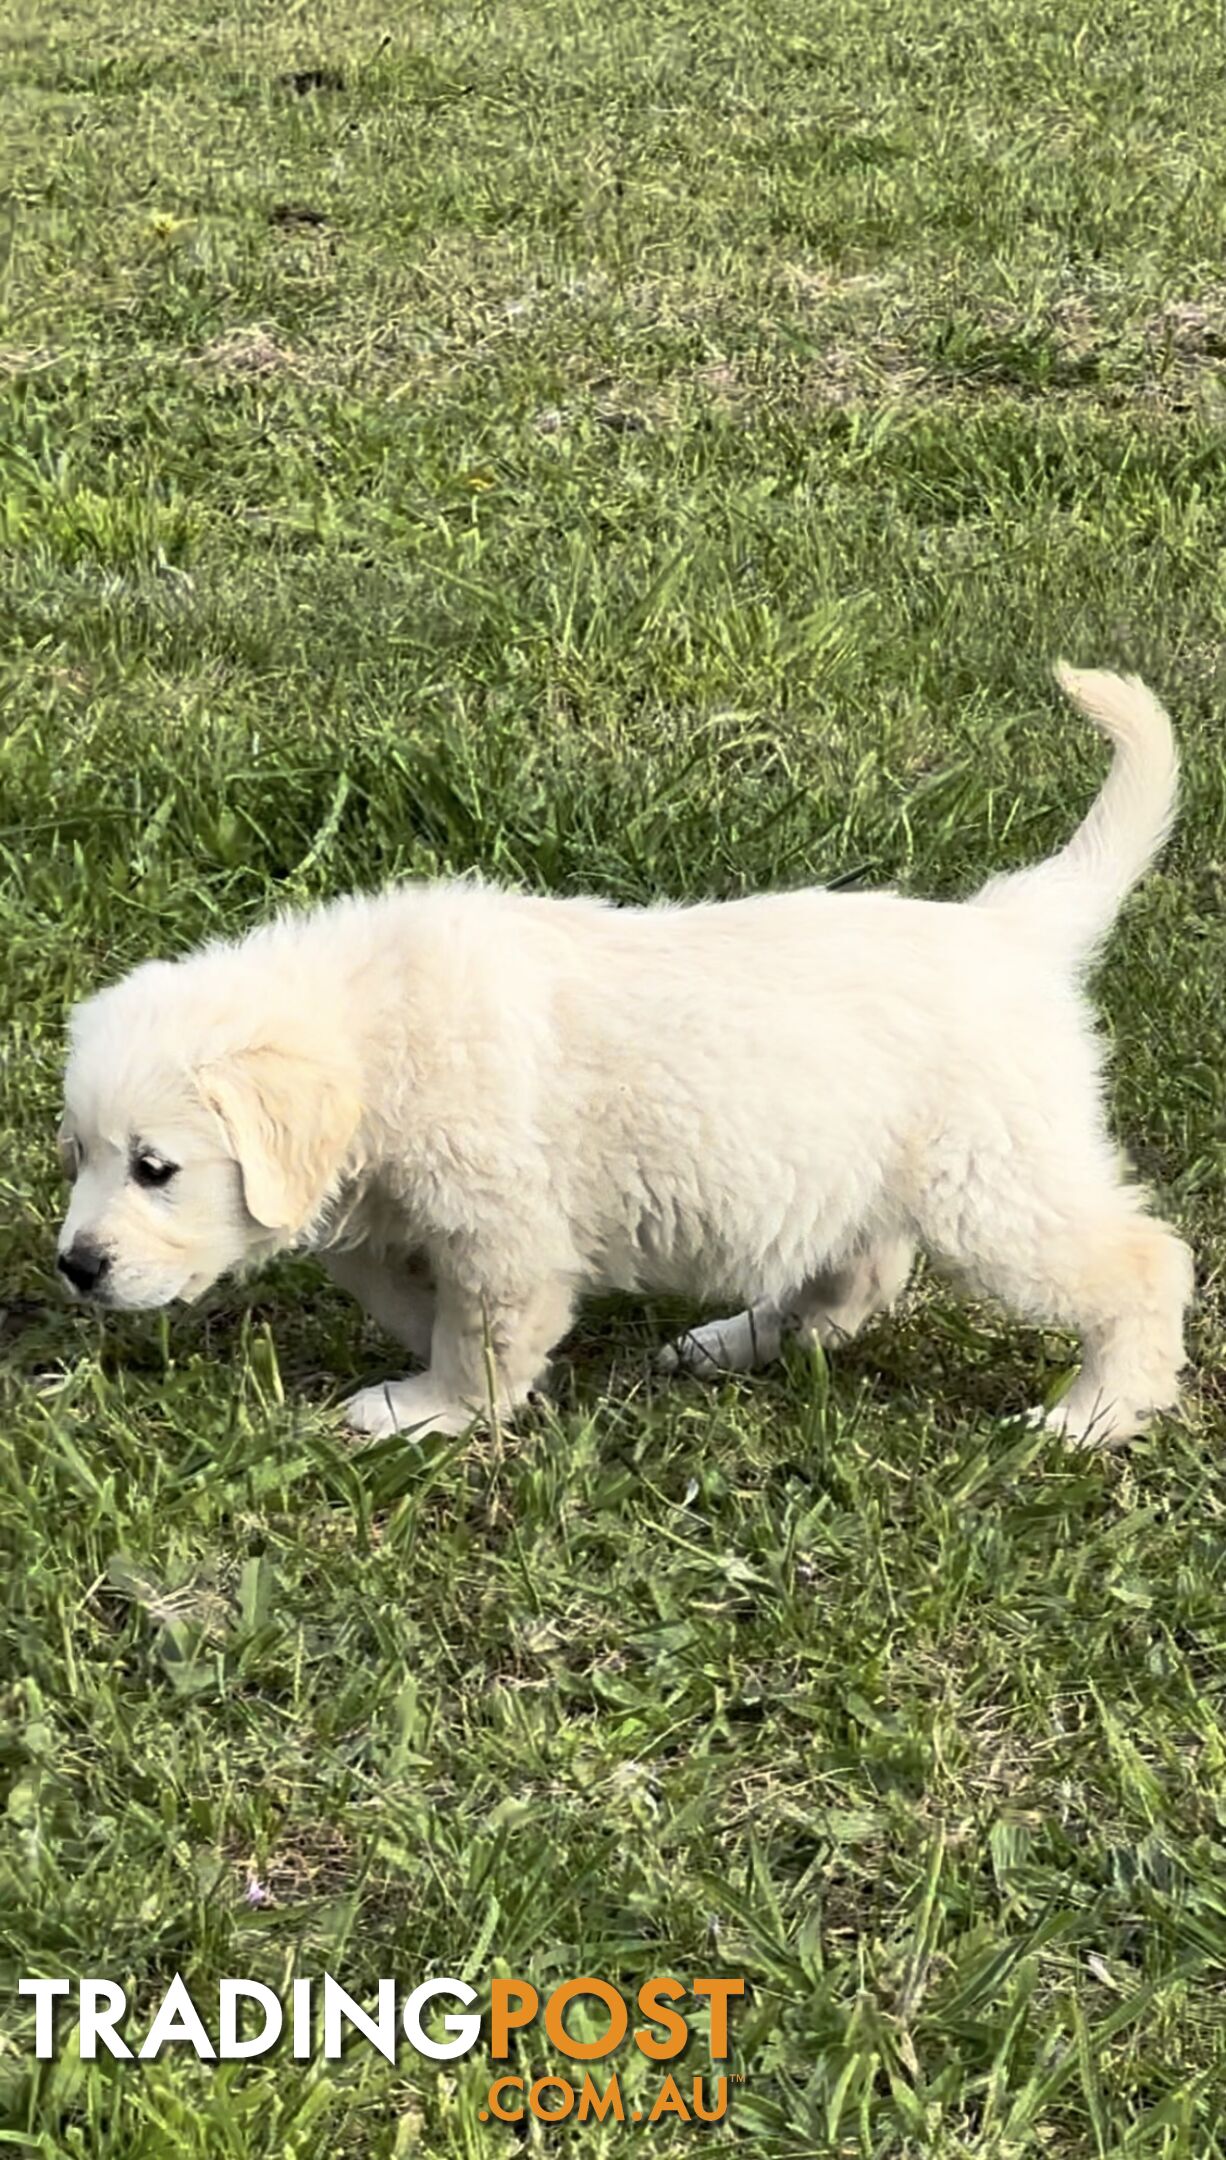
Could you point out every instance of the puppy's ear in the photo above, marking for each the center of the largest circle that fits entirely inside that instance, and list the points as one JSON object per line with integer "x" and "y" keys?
{"x": 290, "y": 1119}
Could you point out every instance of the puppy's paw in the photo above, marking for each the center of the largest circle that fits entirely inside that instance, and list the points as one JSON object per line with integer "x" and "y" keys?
{"x": 741, "y": 1344}
{"x": 1087, "y": 1426}
{"x": 413, "y": 1406}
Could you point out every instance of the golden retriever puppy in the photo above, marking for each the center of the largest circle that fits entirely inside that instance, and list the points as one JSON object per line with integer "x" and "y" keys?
{"x": 476, "y": 1106}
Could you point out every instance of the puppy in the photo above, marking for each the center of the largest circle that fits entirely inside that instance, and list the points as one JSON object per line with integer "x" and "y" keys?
{"x": 476, "y": 1106}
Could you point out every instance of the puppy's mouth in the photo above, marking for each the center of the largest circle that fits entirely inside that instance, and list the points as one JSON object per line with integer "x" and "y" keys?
{"x": 188, "y": 1292}
{"x": 101, "y": 1294}
{"x": 119, "y": 1297}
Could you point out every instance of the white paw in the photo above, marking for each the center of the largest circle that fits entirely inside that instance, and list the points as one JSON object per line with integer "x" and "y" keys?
{"x": 741, "y": 1344}
{"x": 1087, "y": 1425}
{"x": 405, "y": 1406}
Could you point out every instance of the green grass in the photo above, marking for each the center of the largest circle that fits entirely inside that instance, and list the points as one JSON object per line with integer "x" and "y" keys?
{"x": 656, "y": 449}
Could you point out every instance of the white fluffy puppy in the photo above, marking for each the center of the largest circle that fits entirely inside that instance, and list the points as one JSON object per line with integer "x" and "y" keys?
{"x": 476, "y": 1106}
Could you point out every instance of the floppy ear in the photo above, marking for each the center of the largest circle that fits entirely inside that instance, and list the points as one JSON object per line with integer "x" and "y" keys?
{"x": 289, "y": 1120}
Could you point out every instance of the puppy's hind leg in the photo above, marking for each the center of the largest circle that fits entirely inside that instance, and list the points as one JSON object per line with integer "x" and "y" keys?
{"x": 833, "y": 1306}
{"x": 1127, "y": 1287}
{"x": 1089, "y": 1260}
{"x": 742, "y": 1343}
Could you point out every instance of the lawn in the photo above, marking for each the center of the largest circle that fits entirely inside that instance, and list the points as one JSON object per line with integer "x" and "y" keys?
{"x": 656, "y": 450}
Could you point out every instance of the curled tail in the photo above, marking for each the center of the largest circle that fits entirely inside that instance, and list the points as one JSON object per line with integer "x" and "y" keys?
{"x": 1076, "y": 895}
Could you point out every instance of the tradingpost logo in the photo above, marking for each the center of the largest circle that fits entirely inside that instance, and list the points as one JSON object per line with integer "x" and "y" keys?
{"x": 657, "y": 2021}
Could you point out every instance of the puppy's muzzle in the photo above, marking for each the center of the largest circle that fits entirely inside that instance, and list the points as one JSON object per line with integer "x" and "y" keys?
{"x": 85, "y": 1266}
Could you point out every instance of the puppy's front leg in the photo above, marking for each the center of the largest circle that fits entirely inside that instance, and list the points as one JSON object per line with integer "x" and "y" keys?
{"x": 397, "y": 1294}
{"x": 487, "y": 1350}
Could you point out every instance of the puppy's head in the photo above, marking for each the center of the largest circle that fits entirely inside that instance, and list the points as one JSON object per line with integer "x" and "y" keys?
{"x": 204, "y": 1128}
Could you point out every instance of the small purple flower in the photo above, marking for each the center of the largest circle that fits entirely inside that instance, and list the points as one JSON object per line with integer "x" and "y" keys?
{"x": 256, "y": 1892}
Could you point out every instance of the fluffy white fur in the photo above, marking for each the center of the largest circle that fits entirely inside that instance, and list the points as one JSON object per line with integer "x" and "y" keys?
{"x": 476, "y": 1106}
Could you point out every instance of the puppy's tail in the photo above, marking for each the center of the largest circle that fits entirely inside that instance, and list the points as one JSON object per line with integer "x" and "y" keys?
{"x": 1076, "y": 895}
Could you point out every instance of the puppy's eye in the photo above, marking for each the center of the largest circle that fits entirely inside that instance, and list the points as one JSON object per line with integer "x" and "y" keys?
{"x": 151, "y": 1170}
{"x": 70, "y": 1155}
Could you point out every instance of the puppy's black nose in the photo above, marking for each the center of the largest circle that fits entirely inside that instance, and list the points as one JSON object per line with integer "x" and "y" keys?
{"x": 84, "y": 1265}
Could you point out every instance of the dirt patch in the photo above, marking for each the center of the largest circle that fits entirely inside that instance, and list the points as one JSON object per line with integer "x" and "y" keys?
{"x": 291, "y": 214}
{"x": 249, "y": 351}
{"x": 1191, "y": 329}
{"x": 316, "y": 1861}
{"x": 309, "y": 82}
{"x": 33, "y": 360}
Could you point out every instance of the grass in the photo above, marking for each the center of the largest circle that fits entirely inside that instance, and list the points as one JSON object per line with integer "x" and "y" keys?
{"x": 654, "y": 449}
